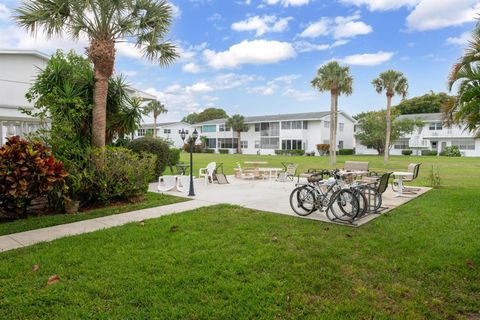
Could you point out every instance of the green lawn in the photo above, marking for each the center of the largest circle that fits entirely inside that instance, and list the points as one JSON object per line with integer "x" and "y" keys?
{"x": 151, "y": 200}
{"x": 420, "y": 261}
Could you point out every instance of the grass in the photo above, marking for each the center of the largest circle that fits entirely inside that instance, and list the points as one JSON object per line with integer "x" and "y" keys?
{"x": 151, "y": 200}
{"x": 420, "y": 261}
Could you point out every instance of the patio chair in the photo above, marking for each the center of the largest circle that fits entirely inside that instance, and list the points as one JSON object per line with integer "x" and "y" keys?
{"x": 208, "y": 172}
{"x": 289, "y": 174}
{"x": 413, "y": 168}
{"x": 356, "y": 166}
{"x": 166, "y": 183}
{"x": 243, "y": 174}
{"x": 183, "y": 184}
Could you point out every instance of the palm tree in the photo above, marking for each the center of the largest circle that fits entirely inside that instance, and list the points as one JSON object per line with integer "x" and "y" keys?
{"x": 237, "y": 123}
{"x": 336, "y": 79}
{"x": 392, "y": 82}
{"x": 157, "y": 108}
{"x": 105, "y": 23}
{"x": 465, "y": 109}
{"x": 472, "y": 54}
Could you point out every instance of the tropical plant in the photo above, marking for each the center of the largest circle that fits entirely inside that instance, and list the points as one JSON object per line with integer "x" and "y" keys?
{"x": 237, "y": 123}
{"x": 391, "y": 82}
{"x": 452, "y": 151}
{"x": 337, "y": 80}
{"x": 156, "y": 108}
{"x": 371, "y": 128}
{"x": 471, "y": 55}
{"x": 428, "y": 103}
{"x": 105, "y": 23}
{"x": 159, "y": 147}
{"x": 28, "y": 170}
{"x": 206, "y": 115}
{"x": 466, "y": 108}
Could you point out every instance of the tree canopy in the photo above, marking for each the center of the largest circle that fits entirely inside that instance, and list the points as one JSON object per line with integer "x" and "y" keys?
{"x": 428, "y": 103}
{"x": 371, "y": 127}
{"x": 205, "y": 115}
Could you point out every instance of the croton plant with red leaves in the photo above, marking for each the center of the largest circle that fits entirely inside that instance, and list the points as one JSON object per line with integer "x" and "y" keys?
{"x": 28, "y": 170}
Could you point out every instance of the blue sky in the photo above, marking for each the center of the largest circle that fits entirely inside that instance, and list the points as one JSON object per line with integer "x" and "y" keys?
{"x": 257, "y": 57}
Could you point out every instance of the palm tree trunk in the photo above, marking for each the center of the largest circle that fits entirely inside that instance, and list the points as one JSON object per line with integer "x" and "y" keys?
{"x": 239, "y": 149}
{"x": 99, "y": 112}
{"x": 333, "y": 149}
{"x": 389, "y": 130}
{"x": 155, "y": 126}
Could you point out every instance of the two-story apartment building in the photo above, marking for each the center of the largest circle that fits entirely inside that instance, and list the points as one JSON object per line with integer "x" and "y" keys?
{"x": 433, "y": 135}
{"x": 297, "y": 131}
{"x": 169, "y": 131}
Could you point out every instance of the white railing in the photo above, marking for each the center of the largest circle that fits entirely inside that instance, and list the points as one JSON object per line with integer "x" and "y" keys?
{"x": 418, "y": 143}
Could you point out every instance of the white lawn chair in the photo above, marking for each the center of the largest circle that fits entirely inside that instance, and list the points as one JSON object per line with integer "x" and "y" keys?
{"x": 208, "y": 172}
{"x": 183, "y": 184}
{"x": 247, "y": 175}
{"x": 166, "y": 183}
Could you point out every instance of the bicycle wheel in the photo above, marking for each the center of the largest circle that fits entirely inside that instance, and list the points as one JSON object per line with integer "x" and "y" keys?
{"x": 302, "y": 200}
{"x": 344, "y": 205}
{"x": 362, "y": 202}
{"x": 374, "y": 199}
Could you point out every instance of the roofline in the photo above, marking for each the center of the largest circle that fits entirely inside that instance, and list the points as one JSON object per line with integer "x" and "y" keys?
{"x": 26, "y": 52}
{"x": 168, "y": 124}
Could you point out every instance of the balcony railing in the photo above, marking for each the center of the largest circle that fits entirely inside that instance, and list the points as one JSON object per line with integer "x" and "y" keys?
{"x": 418, "y": 143}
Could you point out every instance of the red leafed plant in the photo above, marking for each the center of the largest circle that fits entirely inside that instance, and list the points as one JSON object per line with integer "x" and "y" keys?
{"x": 28, "y": 170}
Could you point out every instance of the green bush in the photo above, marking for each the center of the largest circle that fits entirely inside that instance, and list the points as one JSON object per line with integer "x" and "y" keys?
{"x": 407, "y": 152}
{"x": 28, "y": 170}
{"x": 209, "y": 151}
{"x": 429, "y": 152}
{"x": 198, "y": 148}
{"x": 173, "y": 156}
{"x": 224, "y": 151}
{"x": 290, "y": 152}
{"x": 156, "y": 146}
{"x": 452, "y": 151}
{"x": 346, "y": 152}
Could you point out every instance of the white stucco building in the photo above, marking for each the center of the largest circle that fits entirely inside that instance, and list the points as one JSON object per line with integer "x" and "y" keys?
{"x": 169, "y": 131}
{"x": 297, "y": 131}
{"x": 18, "y": 70}
{"x": 433, "y": 135}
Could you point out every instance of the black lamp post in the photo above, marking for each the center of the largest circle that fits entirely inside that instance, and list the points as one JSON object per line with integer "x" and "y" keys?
{"x": 191, "y": 141}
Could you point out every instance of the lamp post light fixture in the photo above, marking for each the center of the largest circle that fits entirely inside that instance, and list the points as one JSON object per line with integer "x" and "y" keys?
{"x": 191, "y": 142}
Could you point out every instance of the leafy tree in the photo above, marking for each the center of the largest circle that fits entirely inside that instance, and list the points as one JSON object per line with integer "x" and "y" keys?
{"x": 63, "y": 93}
{"x": 428, "y": 103}
{"x": 371, "y": 128}
{"x": 336, "y": 79}
{"x": 146, "y": 22}
{"x": 156, "y": 108}
{"x": 391, "y": 82}
{"x": 192, "y": 118}
{"x": 466, "y": 108}
{"x": 212, "y": 114}
{"x": 237, "y": 123}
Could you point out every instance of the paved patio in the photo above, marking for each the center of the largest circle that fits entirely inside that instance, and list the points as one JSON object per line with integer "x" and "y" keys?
{"x": 274, "y": 197}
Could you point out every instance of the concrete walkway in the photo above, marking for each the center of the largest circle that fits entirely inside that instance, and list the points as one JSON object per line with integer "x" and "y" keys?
{"x": 28, "y": 238}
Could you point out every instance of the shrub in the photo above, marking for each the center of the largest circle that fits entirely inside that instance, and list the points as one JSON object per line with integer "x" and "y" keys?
{"x": 156, "y": 146}
{"x": 173, "y": 156}
{"x": 290, "y": 152}
{"x": 407, "y": 152}
{"x": 323, "y": 148}
{"x": 224, "y": 151}
{"x": 429, "y": 152}
{"x": 452, "y": 151}
{"x": 346, "y": 152}
{"x": 28, "y": 170}
{"x": 209, "y": 151}
{"x": 198, "y": 148}
{"x": 434, "y": 179}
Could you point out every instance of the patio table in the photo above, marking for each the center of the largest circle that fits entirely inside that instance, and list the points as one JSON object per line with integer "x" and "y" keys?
{"x": 182, "y": 168}
{"x": 399, "y": 177}
{"x": 270, "y": 171}
{"x": 256, "y": 169}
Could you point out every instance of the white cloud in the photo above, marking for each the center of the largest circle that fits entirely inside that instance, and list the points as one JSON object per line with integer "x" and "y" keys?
{"x": 382, "y": 5}
{"x": 191, "y": 67}
{"x": 250, "y": 52}
{"x": 305, "y": 46}
{"x": 339, "y": 27}
{"x": 434, "y": 14}
{"x": 286, "y": 3}
{"x": 215, "y": 17}
{"x": 232, "y": 80}
{"x": 199, "y": 87}
{"x": 273, "y": 85}
{"x": 262, "y": 24}
{"x": 461, "y": 40}
{"x": 176, "y": 12}
{"x": 4, "y": 12}
{"x": 367, "y": 59}
{"x": 299, "y": 95}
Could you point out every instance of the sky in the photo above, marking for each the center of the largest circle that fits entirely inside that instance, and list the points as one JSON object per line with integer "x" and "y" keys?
{"x": 257, "y": 57}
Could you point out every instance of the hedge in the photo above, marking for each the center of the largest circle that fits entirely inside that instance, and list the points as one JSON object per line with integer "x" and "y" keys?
{"x": 407, "y": 152}
{"x": 429, "y": 152}
{"x": 224, "y": 151}
{"x": 290, "y": 152}
{"x": 346, "y": 152}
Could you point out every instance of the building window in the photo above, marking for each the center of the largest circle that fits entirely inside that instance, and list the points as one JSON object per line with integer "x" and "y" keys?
{"x": 270, "y": 129}
{"x": 141, "y": 132}
{"x": 244, "y": 144}
{"x": 286, "y": 125}
{"x": 227, "y": 143}
{"x": 464, "y": 144}
{"x": 326, "y": 124}
{"x": 340, "y": 144}
{"x": 167, "y": 131}
{"x": 341, "y": 126}
{"x": 223, "y": 128}
{"x": 257, "y": 127}
{"x": 297, "y": 125}
{"x": 401, "y": 144}
{"x": 211, "y": 143}
{"x": 305, "y": 125}
{"x": 291, "y": 144}
{"x": 435, "y": 126}
{"x": 257, "y": 144}
{"x": 209, "y": 128}
{"x": 269, "y": 143}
